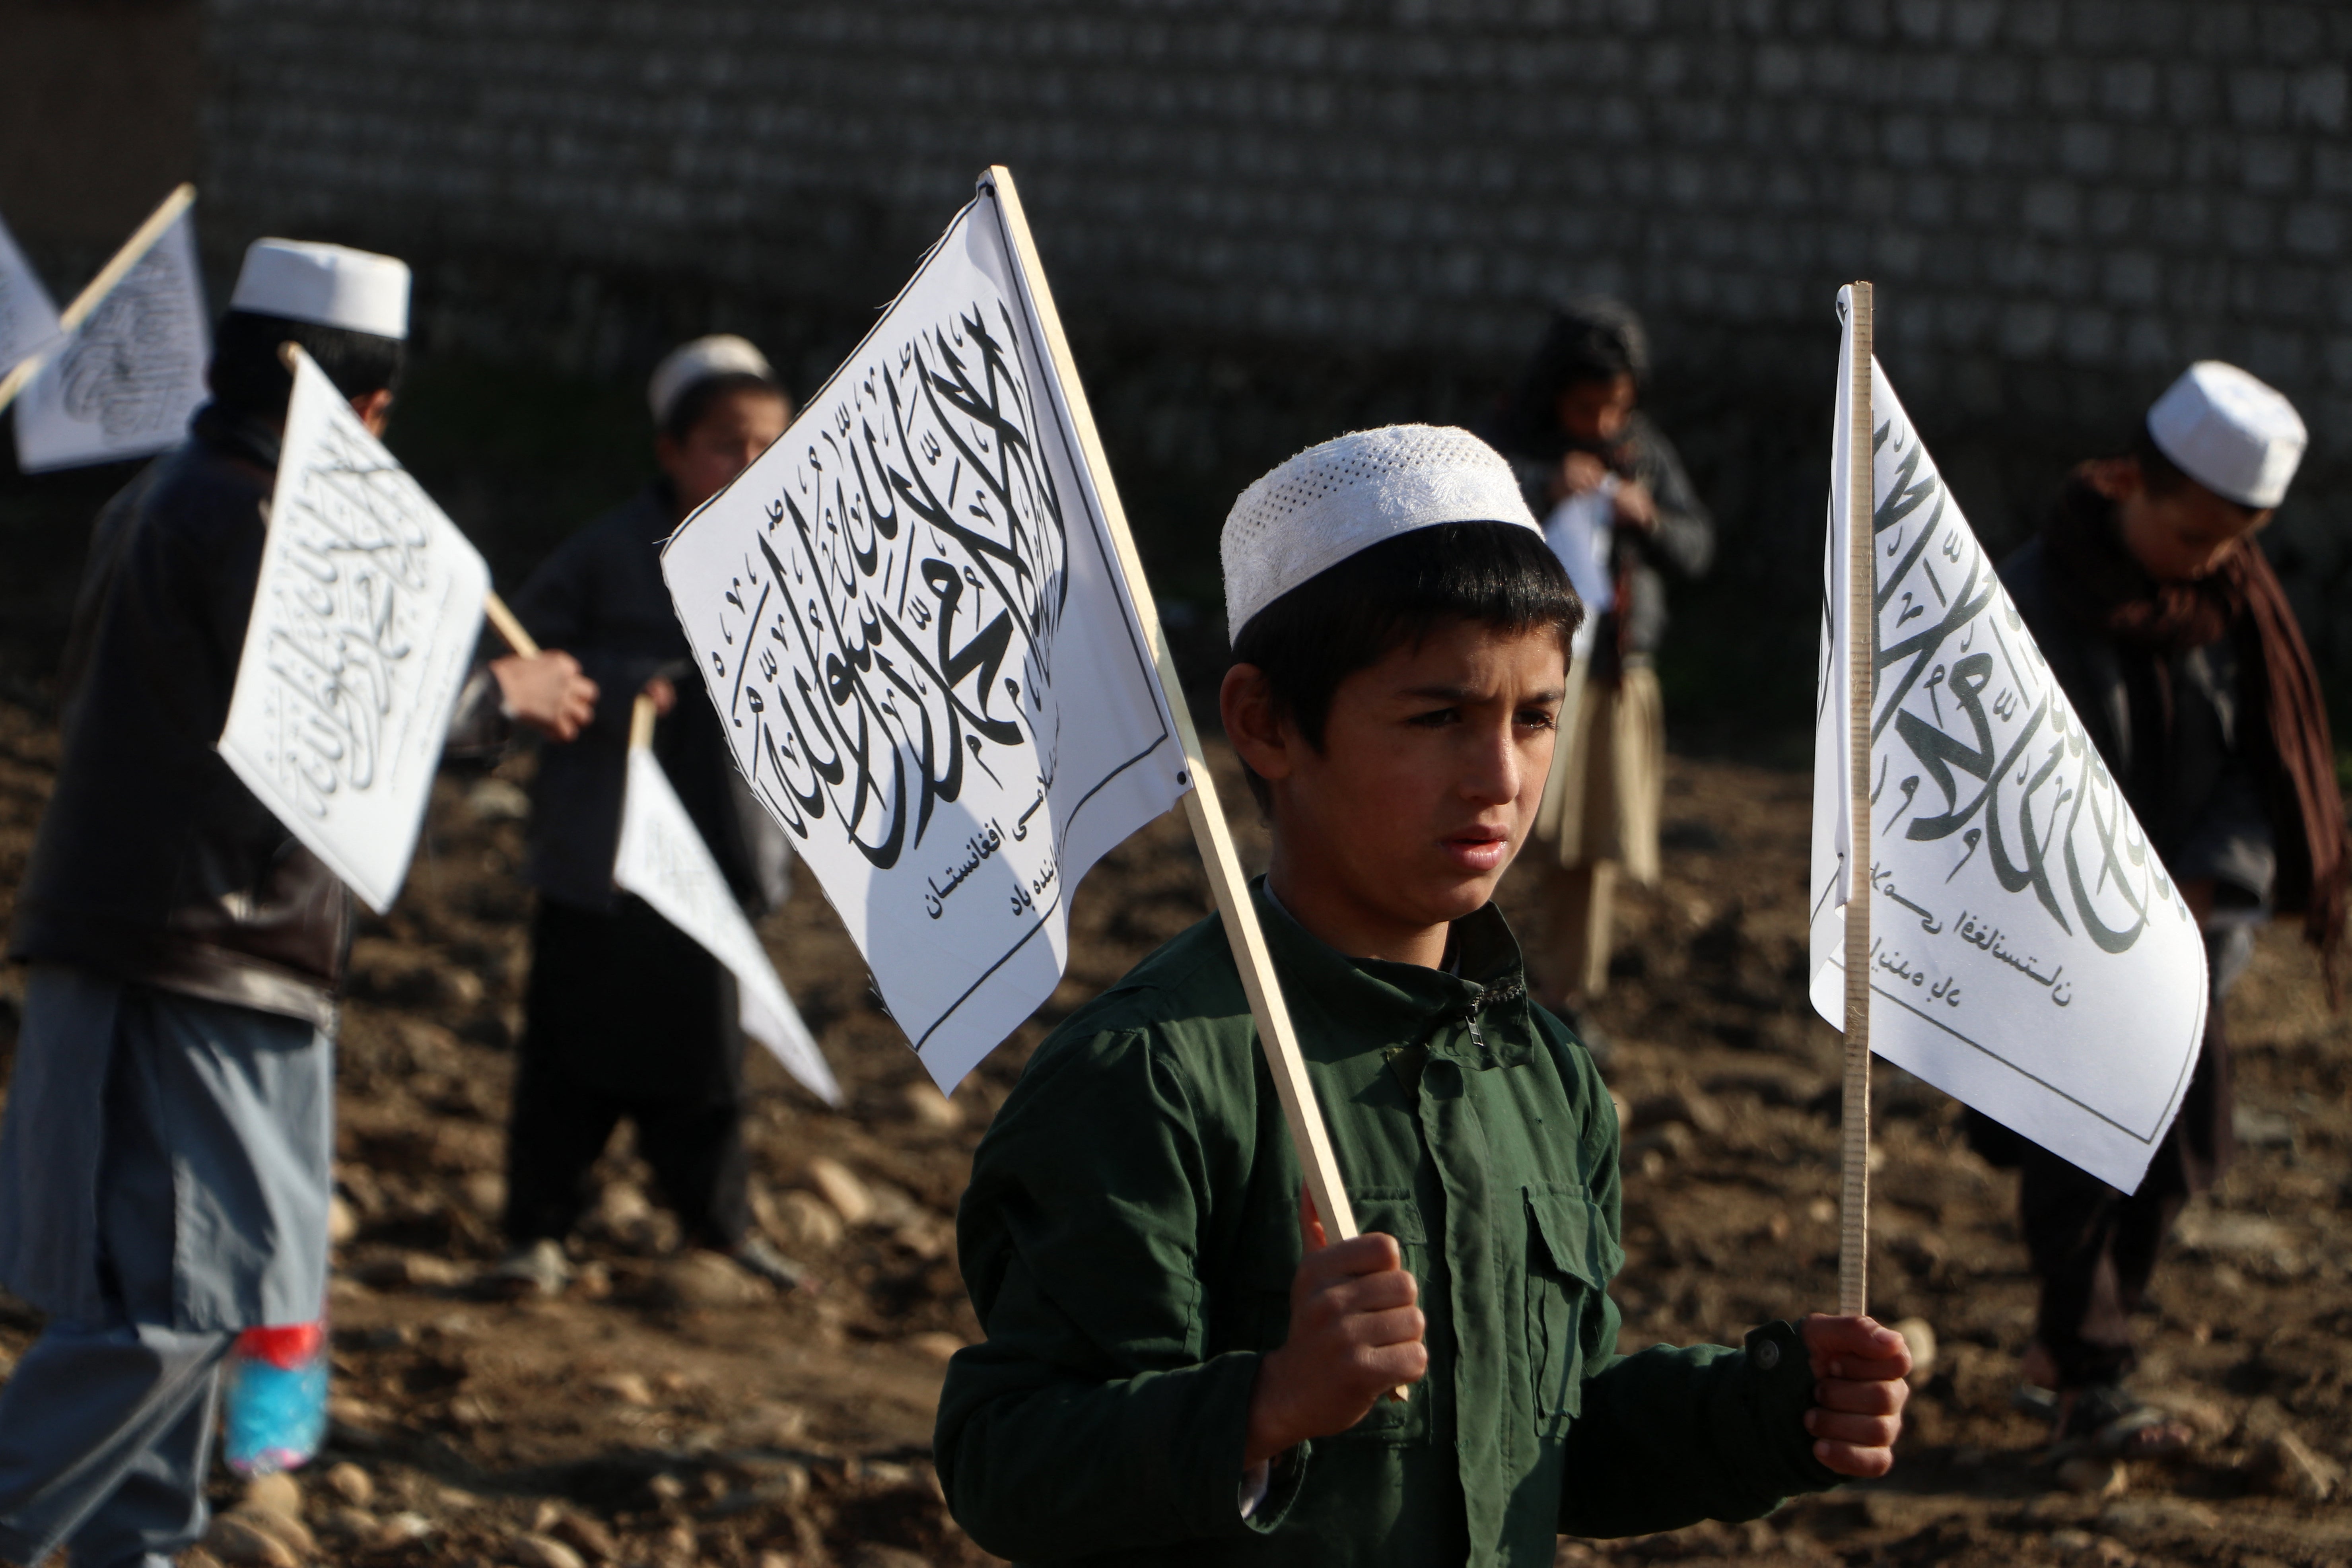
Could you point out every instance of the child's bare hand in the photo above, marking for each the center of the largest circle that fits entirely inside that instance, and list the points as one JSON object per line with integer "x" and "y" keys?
{"x": 1355, "y": 1334}
{"x": 1580, "y": 473}
{"x": 1634, "y": 506}
{"x": 546, "y": 691}
{"x": 1857, "y": 1410}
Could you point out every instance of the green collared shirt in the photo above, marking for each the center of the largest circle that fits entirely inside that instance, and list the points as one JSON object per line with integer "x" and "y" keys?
{"x": 1131, "y": 1235}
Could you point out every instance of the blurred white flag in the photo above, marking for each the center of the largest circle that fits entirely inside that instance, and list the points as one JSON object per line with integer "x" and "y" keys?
{"x": 28, "y": 318}
{"x": 2029, "y": 953}
{"x": 909, "y": 613}
{"x": 364, "y": 620}
{"x": 124, "y": 383}
{"x": 664, "y": 861}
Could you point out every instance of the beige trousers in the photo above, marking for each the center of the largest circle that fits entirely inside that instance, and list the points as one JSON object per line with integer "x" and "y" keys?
{"x": 1599, "y": 819}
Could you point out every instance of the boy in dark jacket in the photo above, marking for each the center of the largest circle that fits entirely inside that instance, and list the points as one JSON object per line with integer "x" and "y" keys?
{"x": 626, "y": 1014}
{"x": 2164, "y": 623}
{"x": 1178, "y": 1369}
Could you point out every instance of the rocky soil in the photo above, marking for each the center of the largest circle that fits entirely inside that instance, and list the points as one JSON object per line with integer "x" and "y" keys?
{"x": 670, "y": 1410}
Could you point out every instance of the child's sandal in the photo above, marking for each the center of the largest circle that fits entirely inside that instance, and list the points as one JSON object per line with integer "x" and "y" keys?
{"x": 2110, "y": 1420}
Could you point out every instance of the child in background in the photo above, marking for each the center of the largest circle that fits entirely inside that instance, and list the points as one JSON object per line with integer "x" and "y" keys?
{"x": 2162, "y": 620}
{"x": 626, "y": 1014}
{"x": 1178, "y": 1367}
{"x": 1623, "y": 516}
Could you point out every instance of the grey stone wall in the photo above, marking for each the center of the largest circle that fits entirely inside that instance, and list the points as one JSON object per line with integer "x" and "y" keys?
{"x": 2061, "y": 201}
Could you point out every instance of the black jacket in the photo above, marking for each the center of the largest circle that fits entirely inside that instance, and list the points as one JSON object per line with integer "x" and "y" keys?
{"x": 153, "y": 863}
{"x": 2196, "y": 791}
{"x": 601, "y": 597}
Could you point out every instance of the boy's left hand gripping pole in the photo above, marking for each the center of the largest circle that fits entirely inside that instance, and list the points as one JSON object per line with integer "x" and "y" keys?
{"x": 1275, "y": 1038}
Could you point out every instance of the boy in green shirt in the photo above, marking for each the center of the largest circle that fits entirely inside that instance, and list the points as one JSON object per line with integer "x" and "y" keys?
{"x": 1177, "y": 1370}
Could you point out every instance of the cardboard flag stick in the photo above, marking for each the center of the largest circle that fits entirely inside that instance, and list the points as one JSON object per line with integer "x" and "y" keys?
{"x": 1276, "y": 1036}
{"x": 116, "y": 269}
{"x": 1854, "y": 1220}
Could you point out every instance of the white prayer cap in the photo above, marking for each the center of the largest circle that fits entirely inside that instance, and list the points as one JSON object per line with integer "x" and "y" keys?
{"x": 327, "y": 285}
{"x": 2238, "y": 436}
{"x": 1332, "y": 501}
{"x": 722, "y": 353}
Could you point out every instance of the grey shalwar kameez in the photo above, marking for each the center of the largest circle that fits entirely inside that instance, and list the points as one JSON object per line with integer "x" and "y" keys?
{"x": 165, "y": 1172}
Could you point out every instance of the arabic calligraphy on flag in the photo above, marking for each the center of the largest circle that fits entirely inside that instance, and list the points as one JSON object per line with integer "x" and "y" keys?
{"x": 2030, "y": 954}
{"x": 909, "y": 615}
{"x": 364, "y": 618}
{"x": 124, "y": 383}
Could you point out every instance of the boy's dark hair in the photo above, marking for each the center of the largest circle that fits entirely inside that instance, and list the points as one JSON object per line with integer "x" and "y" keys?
{"x": 1593, "y": 340}
{"x": 1588, "y": 339}
{"x": 1352, "y": 615}
{"x": 695, "y": 402}
{"x": 247, "y": 375}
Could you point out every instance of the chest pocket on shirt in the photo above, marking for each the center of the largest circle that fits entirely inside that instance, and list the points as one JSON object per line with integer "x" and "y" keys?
{"x": 1567, "y": 1268}
{"x": 1392, "y": 1214}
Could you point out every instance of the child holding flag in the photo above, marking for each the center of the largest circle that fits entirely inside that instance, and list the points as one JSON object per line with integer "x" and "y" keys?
{"x": 165, "y": 1159}
{"x": 1178, "y": 1367}
{"x": 2163, "y": 621}
{"x": 627, "y": 1014}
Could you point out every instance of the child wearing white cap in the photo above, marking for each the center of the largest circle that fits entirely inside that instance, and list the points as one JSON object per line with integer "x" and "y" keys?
{"x": 1178, "y": 1365}
{"x": 2163, "y": 621}
{"x": 627, "y": 1017}
{"x": 165, "y": 1157}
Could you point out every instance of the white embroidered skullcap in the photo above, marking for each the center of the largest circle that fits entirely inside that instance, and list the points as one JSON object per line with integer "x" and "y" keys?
{"x": 722, "y": 353}
{"x": 2238, "y": 436}
{"x": 1345, "y": 496}
{"x": 327, "y": 285}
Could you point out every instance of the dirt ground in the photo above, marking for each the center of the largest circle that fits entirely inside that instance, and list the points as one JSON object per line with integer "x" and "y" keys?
{"x": 668, "y": 1411}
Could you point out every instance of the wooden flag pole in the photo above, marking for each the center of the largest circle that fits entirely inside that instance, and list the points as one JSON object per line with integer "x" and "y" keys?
{"x": 503, "y": 620}
{"x": 1276, "y": 1036}
{"x": 642, "y": 715}
{"x": 1862, "y": 646}
{"x": 116, "y": 269}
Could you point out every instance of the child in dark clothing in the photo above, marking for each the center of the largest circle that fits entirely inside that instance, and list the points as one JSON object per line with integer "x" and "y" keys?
{"x": 627, "y": 1016}
{"x": 2162, "y": 620}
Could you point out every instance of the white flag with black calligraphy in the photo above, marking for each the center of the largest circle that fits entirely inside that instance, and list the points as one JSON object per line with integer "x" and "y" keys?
{"x": 2029, "y": 953}
{"x": 28, "y": 316}
{"x": 364, "y": 620}
{"x": 124, "y": 383}
{"x": 663, "y": 860}
{"x": 909, "y": 613}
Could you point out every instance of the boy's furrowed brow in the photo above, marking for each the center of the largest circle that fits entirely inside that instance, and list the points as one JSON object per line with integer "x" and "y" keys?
{"x": 1463, "y": 696}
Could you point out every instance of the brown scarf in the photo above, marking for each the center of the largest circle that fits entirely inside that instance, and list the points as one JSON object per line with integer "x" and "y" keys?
{"x": 2104, "y": 586}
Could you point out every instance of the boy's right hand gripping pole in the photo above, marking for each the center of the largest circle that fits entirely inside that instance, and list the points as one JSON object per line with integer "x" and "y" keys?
{"x": 1862, "y": 637}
